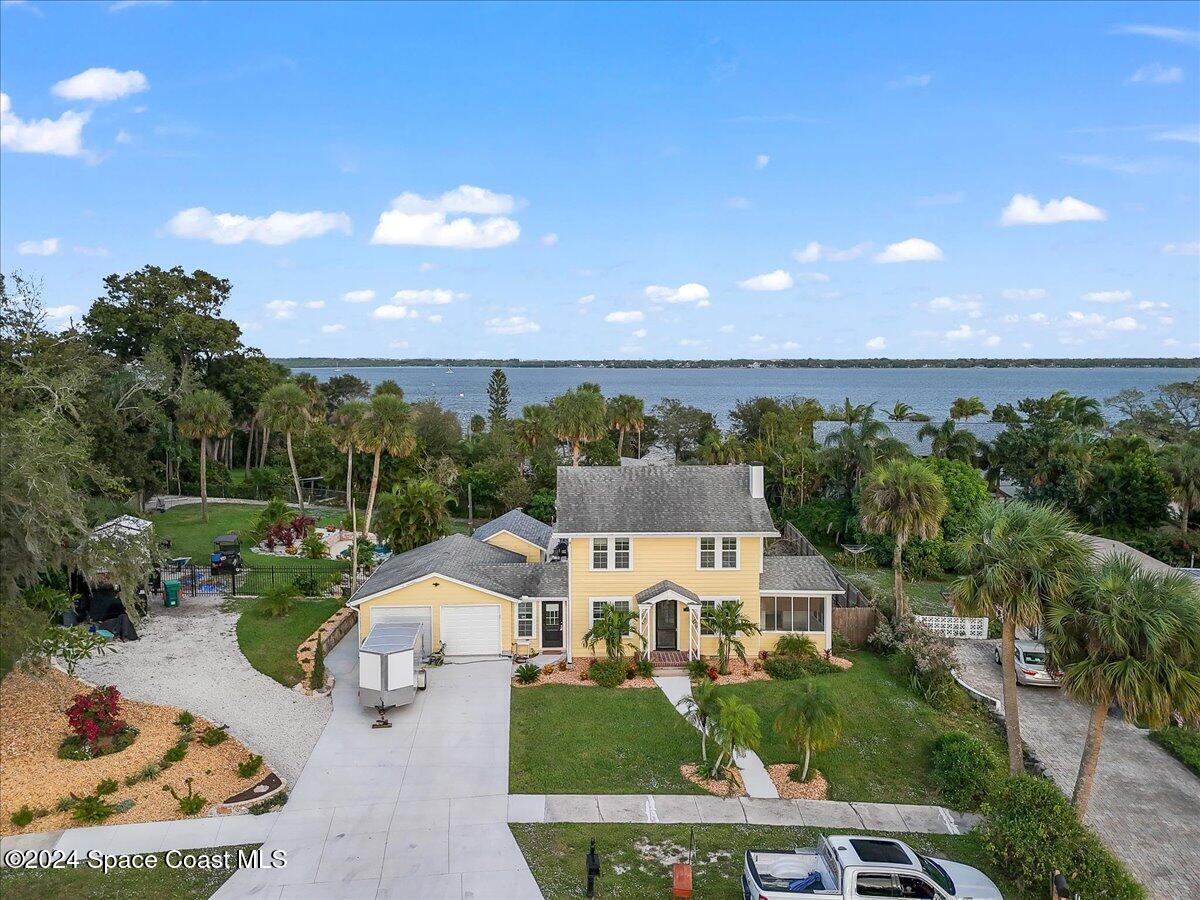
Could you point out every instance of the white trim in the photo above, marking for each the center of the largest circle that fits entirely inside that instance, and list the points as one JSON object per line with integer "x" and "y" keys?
{"x": 564, "y": 609}
{"x": 611, "y": 552}
{"x": 541, "y": 550}
{"x": 676, "y": 534}
{"x": 668, "y": 594}
{"x": 591, "y": 608}
{"x": 767, "y": 592}
{"x": 718, "y": 553}
{"x": 533, "y": 613}
{"x": 397, "y": 587}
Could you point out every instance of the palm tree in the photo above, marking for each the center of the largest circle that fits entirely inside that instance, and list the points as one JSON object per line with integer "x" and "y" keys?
{"x": 478, "y": 425}
{"x": 347, "y": 419}
{"x": 1020, "y": 557}
{"x": 726, "y": 621}
{"x": 201, "y": 415}
{"x": 579, "y": 417}
{"x": 626, "y": 413}
{"x": 535, "y": 427}
{"x": 900, "y": 412}
{"x": 385, "y": 429}
{"x": 286, "y": 408}
{"x": 852, "y": 413}
{"x": 1182, "y": 462}
{"x": 1131, "y": 636}
{"x": 736, "y": 730}
{"x": 1082, "y": 412}
{"x": 855, "y": 448}
{"x": 966, "y": 407}
{"x": 413, "y": 514}
{"x": 949, "y": 442}
{"x": 810, "y": 720}
{"x": 612, "y": 629}
{"x": 716, "y": 450}
{"x": 700, "y": 708}
{"x": 903, "y": 498}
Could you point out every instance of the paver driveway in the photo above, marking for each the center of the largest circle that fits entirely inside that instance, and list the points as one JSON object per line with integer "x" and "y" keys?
{"x": 1145, "y": 804}
{"x": 417, "y": 810}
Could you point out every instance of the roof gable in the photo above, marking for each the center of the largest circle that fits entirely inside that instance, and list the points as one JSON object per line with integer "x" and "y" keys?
{"x": 519, "y": 524}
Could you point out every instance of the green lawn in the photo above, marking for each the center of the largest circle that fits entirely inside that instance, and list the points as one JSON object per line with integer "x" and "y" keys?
{"x": 924, "y": 594}
{"x": 579, "y": 740}
{"x": 884, "y": 752}
{"x": 1181, "y": 743}
{"x": 635, "y": 859}
{"x": 270, "y": 644}
{"x": 191, "y": 537}
{"x": 128, "y": 884}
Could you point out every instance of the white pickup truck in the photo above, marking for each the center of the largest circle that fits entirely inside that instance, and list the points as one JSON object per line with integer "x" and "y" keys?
{"x": 856, "y": 866}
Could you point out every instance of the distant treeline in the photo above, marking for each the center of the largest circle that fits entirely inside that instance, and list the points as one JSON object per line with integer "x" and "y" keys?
{"x": 1170, "y": 362}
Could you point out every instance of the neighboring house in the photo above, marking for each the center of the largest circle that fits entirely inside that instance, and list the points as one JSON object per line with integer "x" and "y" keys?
{"x": 663, "y": 541}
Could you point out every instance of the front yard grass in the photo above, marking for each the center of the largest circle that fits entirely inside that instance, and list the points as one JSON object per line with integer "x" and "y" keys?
{"x": 883, "y": 755}
{"x": 1181, "y": 743}
{"x": 593, "y": 740}
{"x": 270, "y": 643}
{"x": 635, "y": 860}
{"x": 124, "y": 884}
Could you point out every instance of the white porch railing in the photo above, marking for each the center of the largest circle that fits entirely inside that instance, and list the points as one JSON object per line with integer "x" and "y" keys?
{"x": 644, "y": 627}
{"x": 693, "y": 631}
{"x": 956, "y": 627}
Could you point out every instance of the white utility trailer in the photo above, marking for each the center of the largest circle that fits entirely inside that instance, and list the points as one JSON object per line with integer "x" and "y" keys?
{"x": 389, "y": 665}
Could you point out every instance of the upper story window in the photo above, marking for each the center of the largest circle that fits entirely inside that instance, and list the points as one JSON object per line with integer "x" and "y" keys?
{"x": 612, "y": 553}
{"x": 719, "y": 553}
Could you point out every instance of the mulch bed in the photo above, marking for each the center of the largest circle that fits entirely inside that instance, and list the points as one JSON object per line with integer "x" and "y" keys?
{"x": 722, "y": 787}
{"x": 816, "y": 788}
{"x": 578, "y": 677}
{"x": 33, "y": 725}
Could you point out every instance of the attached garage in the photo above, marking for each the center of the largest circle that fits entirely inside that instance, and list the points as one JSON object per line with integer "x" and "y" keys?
{"x": 471, "y": 630}
{"x": 421, "y": 615}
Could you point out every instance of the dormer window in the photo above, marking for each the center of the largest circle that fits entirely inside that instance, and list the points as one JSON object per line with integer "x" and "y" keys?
{"x": 612, "y": 553}
{"x": 718, "y": 553}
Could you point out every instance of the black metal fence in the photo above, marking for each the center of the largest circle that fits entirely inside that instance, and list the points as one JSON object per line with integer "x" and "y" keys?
{"x": 313, "y": 579}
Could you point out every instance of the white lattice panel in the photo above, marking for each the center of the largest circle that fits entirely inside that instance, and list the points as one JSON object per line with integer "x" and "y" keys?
{"x": 956, "y": 627}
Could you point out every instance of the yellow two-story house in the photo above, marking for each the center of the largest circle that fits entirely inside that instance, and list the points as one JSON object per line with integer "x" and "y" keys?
{"x": 661, "y": 541}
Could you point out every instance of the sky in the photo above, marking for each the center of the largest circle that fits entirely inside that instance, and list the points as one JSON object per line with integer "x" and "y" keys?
{"x": 620, "y": 180}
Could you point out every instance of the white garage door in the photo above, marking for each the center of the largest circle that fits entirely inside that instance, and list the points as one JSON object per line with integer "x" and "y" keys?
{"x": 423, "y": 615}
{"x": 471, "y": 630}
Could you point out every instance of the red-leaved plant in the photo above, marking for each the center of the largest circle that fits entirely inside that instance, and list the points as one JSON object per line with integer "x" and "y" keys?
{"x": 97, "y": 714}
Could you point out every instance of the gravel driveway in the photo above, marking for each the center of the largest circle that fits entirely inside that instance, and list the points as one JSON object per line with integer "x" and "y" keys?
{"x": 1145, "y": 804}
{"x": 189, "y": 657}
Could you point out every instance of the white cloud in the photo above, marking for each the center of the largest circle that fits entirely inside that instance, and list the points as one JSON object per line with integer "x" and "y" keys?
{"x": 1189, "y": 135}
{"x": 314, "y": 304}
{"x": 333, "y": 329}
{"x": 911, "y": 81}
{"x": 276, "y": 229}
{"x": 786, "y": 345}
{"x": 737, "y": 203}
{"x": 1166, "y": 320}
{"x": 1155, "y": 73}
{"x": 1024, "y": 209}
{"x": 949, "y": 199}
{"x": 992, "y": 340}
{"x": 970, "y": 305}
{"x": 1125, "y": 323}
{"x": 762, "y": 161}
{"x": 911, "y": 250}
{"x": 426, "y": 267}
{"x": 435, "y": 319}
{"x": 1147, "y": 305}
{"x": 550, "y": 239}
{"x": 727, "y": 329}
{"x": 877, "y": 343}
{"x": 779, "y": 280}
{"x": 1163, "y": 32}
{"x": 685, "y": 293}
{"x": 1186, "y": 248}
{"x": 358, "y": 296}
{"x": 586, "y": 299}
{"x": 62, "y": 312}
{"x": 757, "y": 338}
{"x": 814, "y": 252}
{"x": 46, "y": 247}
{"x": 123, "y": 137}
{"x": 623, "y": 316}
{"x": 961, "y": 333}
{"x": 1038, "y": 318}
{"x": 639, "y": 332}
{"x": 1170, "y": 342}
{"x": 1097, "y": 322}
{"x": 812, "y": 276}
{"x": 1023, "y": 294}
{"x": 59, "y": 137}
{"x": 1107, "y": 296}
{"x": 424, "y": 222}
{"x": 122, "y": 5}
{"x": 393, "y": 311}
{"x": 282, "y": 309}
{"x": 101, "y": 84}
{"x": 431, "y": 297}
{"x": 512, "y": 325}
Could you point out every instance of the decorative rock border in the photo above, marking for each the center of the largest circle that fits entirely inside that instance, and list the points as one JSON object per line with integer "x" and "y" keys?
{"x": 331, "y": 632}
{"x": 269, "y": 786}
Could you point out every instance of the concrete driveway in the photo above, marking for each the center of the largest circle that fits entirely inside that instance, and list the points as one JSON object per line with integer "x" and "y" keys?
{"x": 417, "y": 810}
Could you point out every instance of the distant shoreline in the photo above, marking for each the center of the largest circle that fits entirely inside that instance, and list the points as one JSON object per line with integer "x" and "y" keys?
{"x": 323, "y": 362}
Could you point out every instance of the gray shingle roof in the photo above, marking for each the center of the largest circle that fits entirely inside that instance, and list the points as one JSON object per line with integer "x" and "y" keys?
{"x": 906, "y": 432}
{"x": 797, "y": 573}
{"x": 662, "y": 587}
{"x": 659, "y": 500}
{"x": 519, "y": 523}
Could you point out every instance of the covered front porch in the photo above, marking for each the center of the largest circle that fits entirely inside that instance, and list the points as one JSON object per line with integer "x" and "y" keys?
{"x": 669, "y": 623}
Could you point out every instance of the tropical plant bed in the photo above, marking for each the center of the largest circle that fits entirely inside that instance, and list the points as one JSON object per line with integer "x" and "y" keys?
{"x": 578, "y": 677}
{"x": 729, "y": 786}
{"x": 816, "y": 788}
{"x": 34, "y": 777}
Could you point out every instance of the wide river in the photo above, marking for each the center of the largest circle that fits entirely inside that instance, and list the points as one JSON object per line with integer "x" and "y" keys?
{"x": 464, "y": 390}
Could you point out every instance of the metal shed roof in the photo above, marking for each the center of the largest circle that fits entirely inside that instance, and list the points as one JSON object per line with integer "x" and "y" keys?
{"x": 391, "y": 637}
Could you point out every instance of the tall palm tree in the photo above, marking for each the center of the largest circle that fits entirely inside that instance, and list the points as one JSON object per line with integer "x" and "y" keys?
{"x": 1082, "y": 412}
{"x": 736, "y": 729}
{"x": 626, "y": 413}
{"x": 903, "y": 498}
{"x": 1020, "y": 557}
{"x": 1130, "y": 636}
{"x": 1182, "y": 462}
{"x": 810, "y": 720}
{"x": 347, "y": 420}
{"x": 966, "y": 407}
{"x": 716, "y": 450}
{"x": 534, "y": 428}
{"x": 852, "y": 413}
{"x": 949, "y": 442}
{"x": 700, "y": 708}
{"x": 726, "y": 621}
{"x": 385, "y": 429}
{"x": 201, "y": 415}
{"x": 287, "y": 408}
{"x": 413, "y": 514}
{"x": 579, "y": 417}
{"x": 855, "y": 448}
{"x": 900, "y": 412}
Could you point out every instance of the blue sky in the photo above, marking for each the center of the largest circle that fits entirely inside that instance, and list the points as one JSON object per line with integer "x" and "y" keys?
{"x": 620, "y": 180}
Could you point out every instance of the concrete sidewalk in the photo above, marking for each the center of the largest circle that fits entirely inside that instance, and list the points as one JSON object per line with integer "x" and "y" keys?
{"x": 702, "y": 810}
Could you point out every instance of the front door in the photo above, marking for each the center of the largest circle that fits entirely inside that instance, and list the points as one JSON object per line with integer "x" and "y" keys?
{"x": 666, "y": 625}
{"x": 552, "y": 625}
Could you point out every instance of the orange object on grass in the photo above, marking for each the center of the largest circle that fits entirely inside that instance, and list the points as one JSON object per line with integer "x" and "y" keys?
{"x": 681, "y": 880}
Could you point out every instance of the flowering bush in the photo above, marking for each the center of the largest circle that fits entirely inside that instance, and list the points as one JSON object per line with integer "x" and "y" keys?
{"x": 927, "y": 657}
{"x": 96, "y": 715}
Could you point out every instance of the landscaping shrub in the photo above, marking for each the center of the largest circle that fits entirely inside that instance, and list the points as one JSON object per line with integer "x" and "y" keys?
{"x": 313, "y": 547}
{"x": 788, "y": 667}
{"x": 965, "y": 769}
{"x": 91, "y": 809}
{"x": 249, "y": 768}
{"x": 184, "y": 720}
{"x": 124, "y": 806}
{"x": 1182, "y": 743}
{"x": 96, "y": 715}
{"x": 644, "y": 667}
{"x": 265, "y": 806}
{"x": 214, "y": 736}
{"x": 528, "y": 673}
{"x": 607, "y": 672}
{"x": 143, "y": 774}
{"x": 697, "y": 668}
{"x": 175, "y": 754}
{"x": 189, "y": 803}
{"x": 107, "y": 786}
{"x": 1030, "y": 830}
{"x": 66, "y": 803}
{"x": 316, "y": 680}
{"x": 278, "y": 602}
{"x": 839, "y": 645}
{"x": 797, "y": 645}
{"x": 22, "y": 817}
{"x": 76, "y": 747}
{"x": 310, "y": 585}
{"x": 926, "y": 658}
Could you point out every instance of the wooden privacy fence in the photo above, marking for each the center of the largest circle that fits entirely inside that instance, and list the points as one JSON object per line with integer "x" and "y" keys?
{"x": 855, "y": 624}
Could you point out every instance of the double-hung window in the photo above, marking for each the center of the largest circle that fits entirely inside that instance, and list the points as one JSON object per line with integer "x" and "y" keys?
{"x": 525, "y": 619}
{"x": 792, "y": 614}
{"x": 706, "y": 606}
{"x": 612, "y": 553}
{"x": 599, "y": 604}
{"x": 718, "y": 553}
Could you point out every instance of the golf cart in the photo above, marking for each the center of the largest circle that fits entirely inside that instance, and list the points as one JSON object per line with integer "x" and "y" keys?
{"x": 227, "y": 553}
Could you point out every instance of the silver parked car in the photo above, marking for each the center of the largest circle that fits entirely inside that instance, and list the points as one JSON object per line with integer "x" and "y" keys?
{"x": 1031, "y": 659}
